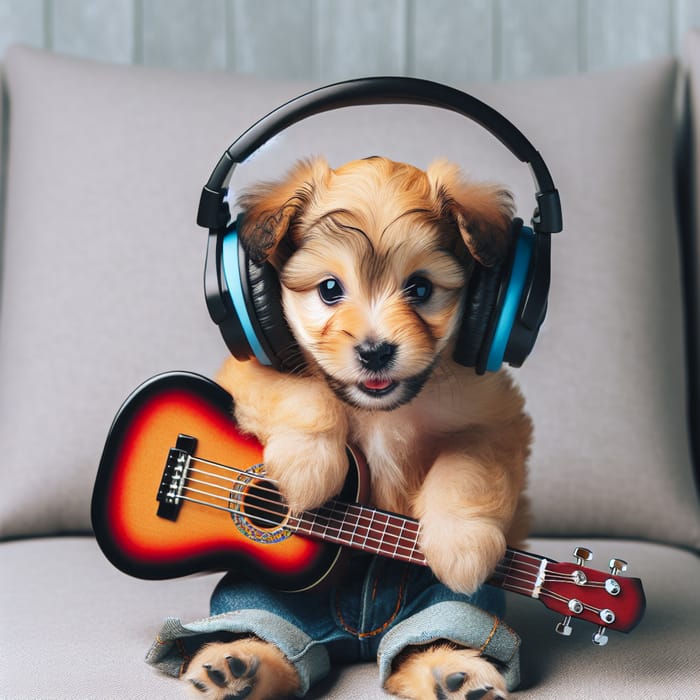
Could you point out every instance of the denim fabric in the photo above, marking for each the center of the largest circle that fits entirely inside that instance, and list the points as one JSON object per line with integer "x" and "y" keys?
{"x": 380, "y": 607}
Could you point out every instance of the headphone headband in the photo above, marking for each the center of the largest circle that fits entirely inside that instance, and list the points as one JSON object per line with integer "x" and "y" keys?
{"x": 213, "y": 211}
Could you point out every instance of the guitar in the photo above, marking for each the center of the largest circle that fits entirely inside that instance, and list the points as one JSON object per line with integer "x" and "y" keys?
{"x": 181, "y": 490}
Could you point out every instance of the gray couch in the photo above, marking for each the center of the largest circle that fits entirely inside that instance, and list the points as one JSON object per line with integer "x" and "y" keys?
{"x": 101, "y": 288}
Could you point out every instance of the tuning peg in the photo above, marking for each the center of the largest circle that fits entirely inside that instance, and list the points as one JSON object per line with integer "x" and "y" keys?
{"x": 599, "y": 637}
{"x": 617, "y": 566}
{"x": 563, "y": 627}
{"x": 582, "y": 555}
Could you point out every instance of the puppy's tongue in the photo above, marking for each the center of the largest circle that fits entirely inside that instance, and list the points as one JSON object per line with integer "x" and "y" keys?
{"x": 377, "y": 384}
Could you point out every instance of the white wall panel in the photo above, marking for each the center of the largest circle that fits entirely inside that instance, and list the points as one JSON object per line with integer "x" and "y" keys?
{"x": 102, "y": 29}
{"x": 625, "y": 31}
{"x": 21, "y": 21}
{"x": 455, "y": 41}
{"x": 538, "y": 37}
{"x": 272, "y": 38}
{"x": 452, "y": 41}
{"x": 686, "y": 16}
{"x": 360, "y": 37}
{"x": 184, "y": 33}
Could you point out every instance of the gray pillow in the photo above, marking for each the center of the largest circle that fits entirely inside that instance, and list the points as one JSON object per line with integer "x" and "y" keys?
{"x": 103, "y": 265}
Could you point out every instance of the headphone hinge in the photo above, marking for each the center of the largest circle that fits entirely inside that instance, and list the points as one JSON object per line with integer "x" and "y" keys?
{"x": 213, "y": 212}
{"x": 547, "y": 217}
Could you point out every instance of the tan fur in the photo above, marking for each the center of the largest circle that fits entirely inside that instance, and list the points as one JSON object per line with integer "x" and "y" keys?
{"x": 423, "y": 669}
{"x": 452, "y": 456}
{"x": 264, "y": 669}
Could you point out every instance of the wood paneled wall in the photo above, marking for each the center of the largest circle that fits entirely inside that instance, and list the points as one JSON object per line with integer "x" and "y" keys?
{"x": 325, "y": 40}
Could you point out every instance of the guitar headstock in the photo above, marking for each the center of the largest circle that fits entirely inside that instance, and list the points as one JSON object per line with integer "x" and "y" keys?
{"x": 608, "y": 600}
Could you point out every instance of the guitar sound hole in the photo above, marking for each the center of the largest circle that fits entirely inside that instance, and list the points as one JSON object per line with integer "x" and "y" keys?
{"x": 263, "y": 505}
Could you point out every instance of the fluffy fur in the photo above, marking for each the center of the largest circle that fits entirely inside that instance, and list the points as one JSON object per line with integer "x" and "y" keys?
{"x": 374, "y": 259}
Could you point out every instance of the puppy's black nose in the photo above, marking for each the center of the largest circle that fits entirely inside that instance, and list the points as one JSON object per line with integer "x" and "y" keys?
{"x": 375, "y": 356}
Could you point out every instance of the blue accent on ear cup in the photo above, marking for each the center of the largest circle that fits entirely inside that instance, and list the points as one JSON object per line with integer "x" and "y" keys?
{"x": 513, "y": 297}
{"x": 231, "y": 268}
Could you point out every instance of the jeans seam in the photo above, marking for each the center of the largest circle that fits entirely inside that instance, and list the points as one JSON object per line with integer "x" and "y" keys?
{"x": 390, "y": 619}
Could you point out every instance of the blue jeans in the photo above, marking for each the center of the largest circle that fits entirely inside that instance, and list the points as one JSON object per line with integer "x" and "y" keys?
{"x": 381, "y": 607}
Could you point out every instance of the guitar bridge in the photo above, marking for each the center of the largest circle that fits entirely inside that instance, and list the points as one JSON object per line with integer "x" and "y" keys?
{"x": 174, "y": 475}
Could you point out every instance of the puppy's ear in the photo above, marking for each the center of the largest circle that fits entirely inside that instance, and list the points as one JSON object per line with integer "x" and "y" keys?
{"x": 482, "y": 212}
{"x": 270, "y": 209}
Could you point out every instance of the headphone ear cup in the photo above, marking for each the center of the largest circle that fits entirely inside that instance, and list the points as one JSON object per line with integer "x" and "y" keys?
{"x": 494, "y": 301}
{"x": 244, "y": 300}
{"x": 266, "y": 302}
{"x": 482, "y": 299}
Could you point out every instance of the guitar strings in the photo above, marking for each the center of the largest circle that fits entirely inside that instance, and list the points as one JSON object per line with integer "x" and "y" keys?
{"x": 236, "y": 470}
{"x": 259, "y": 480}
{"x": 503, "y": 568}
{"x": 564, "y": 599}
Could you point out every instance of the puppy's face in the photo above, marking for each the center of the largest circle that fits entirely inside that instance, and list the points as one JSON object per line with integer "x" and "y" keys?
{"x": 374, "y": 266}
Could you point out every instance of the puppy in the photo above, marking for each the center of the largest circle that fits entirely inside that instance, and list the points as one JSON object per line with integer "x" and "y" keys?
{"x": 374, "y": 259}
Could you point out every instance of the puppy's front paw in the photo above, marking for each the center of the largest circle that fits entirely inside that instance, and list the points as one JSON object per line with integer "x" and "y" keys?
{"x": 442, "y": 672}
{"x": 309, "y": 468}
{"x": 246, "y": 668}
{"x": 462, "y": 554}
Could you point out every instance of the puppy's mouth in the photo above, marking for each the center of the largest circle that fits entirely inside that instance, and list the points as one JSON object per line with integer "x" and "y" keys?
{"x": 379, "y": 393}
{"x": 378, "y": 386}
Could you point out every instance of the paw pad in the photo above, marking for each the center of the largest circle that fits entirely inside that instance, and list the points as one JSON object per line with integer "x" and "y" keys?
{"x": 449, "y": 687}
{"x": 455, "y": 681}
{"x": 235, "y": 677}
{"x": 239, "y": 669}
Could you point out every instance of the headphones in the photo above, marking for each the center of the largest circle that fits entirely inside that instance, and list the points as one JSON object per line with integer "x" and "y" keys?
{"x": 506, "y": 304}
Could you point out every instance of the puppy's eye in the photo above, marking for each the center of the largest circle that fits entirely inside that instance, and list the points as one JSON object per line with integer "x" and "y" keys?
{"x": 331, "y": 291}
{"x": 418, "y": 289}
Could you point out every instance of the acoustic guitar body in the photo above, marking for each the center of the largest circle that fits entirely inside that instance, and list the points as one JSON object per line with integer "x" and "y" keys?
{"x": 229, "y": 518}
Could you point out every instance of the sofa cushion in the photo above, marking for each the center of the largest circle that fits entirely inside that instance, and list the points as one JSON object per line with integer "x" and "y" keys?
{"x": 87, "y": 634}
{"x": 103, "y": 265}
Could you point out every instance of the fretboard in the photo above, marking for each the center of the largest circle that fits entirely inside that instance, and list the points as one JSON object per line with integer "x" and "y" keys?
{"x": 395, "y": 536}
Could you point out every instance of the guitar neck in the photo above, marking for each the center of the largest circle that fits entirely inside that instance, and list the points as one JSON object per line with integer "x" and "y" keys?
{"x": 395, "y": 536}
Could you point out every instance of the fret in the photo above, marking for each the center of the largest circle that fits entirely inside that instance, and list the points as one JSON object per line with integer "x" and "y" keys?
{"x": 360, "y": 531}
{"x": 328, "y": 522}
{"x": 295, "y": 522}
{"x": 369, "y": 527}
{"x": 363, "y": 536}
{"x": 513, "y": 587}
{"x": 398, "y": 539}
{"x": 353, "y": 534}
{"x": 319, "y": 522}
{"x": 500, "y": 576}
{"x": 331, "y": 507}
{"x": 517, "y": 572}
{"x": 415, "y": 556}
{"x": 383, "y": 536}
{"x": 391, "y": 544}
{"x": 348, "y": 527}
{"x": 303, "y": 523}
